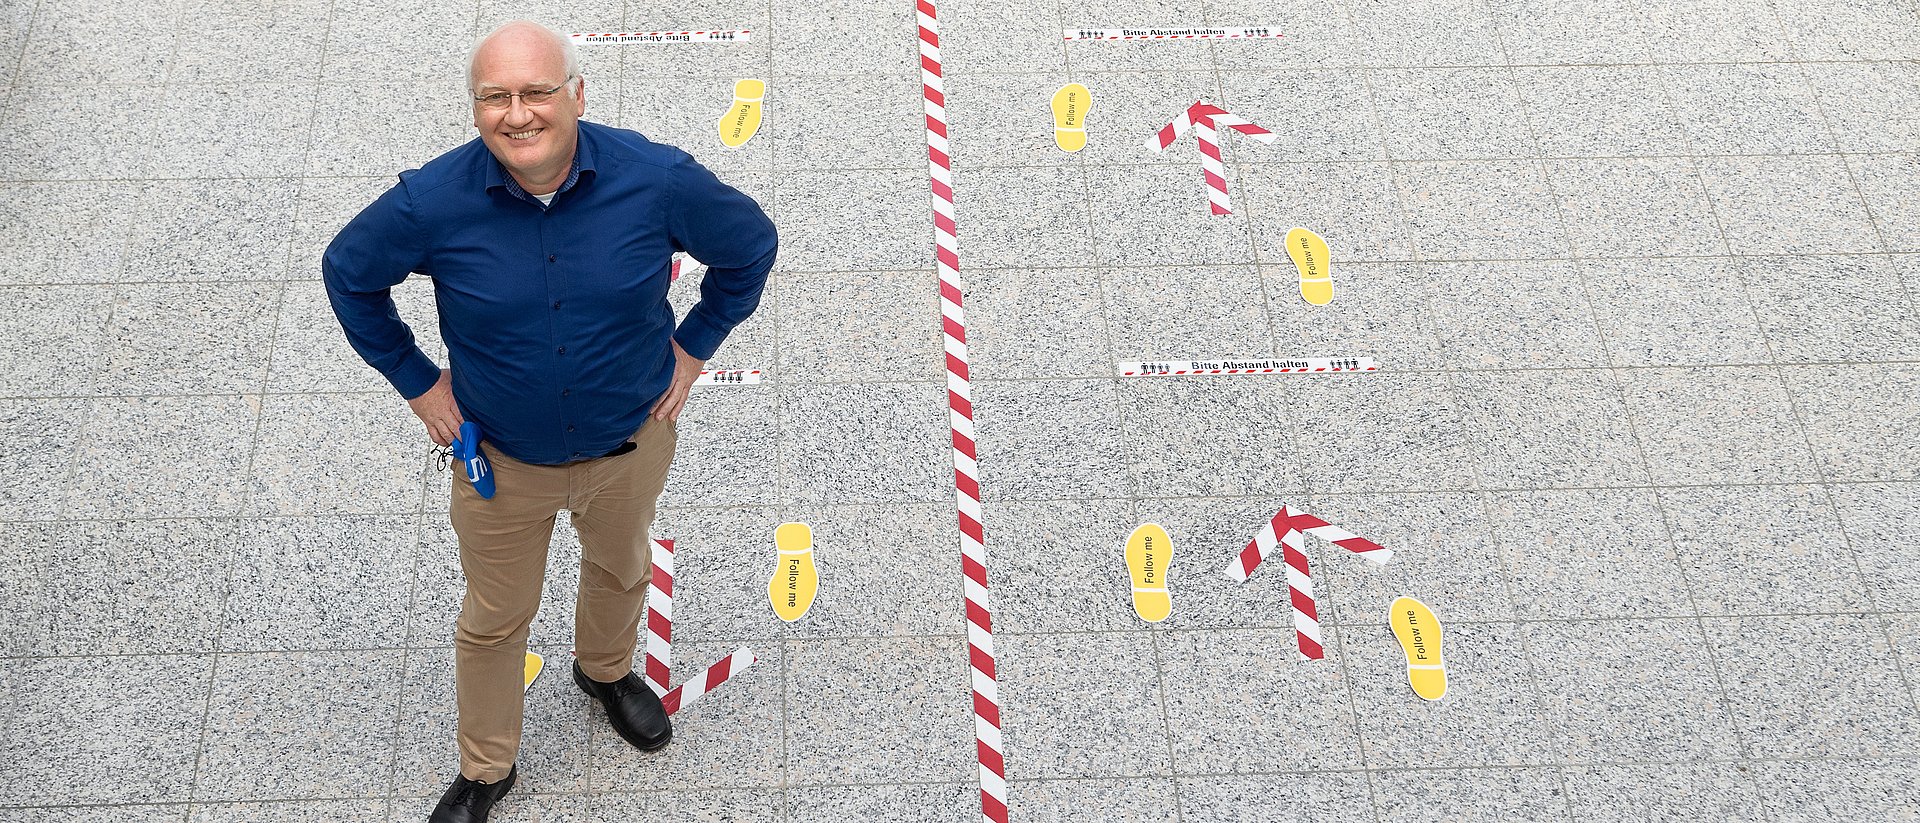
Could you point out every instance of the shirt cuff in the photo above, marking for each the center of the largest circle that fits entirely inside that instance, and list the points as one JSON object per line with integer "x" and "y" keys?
{"x": 415, "y": 375}
{"x": 699, "y": 337}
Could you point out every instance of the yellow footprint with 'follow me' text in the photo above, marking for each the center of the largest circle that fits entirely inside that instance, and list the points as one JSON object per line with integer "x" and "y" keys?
{"x": 1419, "y": 634}
{"x": 1070, "y": 106}
{"x": 743, "y": 117}
{"x": 535, "y": 663}
{"x": 1149, "y": 553}
{"x": 1315, "y": 263}
{"x": 795, "y": 578}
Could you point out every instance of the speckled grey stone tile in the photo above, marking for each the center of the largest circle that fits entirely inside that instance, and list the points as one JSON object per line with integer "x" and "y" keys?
{"x": 1243, "y": 701}
{"x": 1478, "y": 210}
{"x": 271, "y": 735}
{"x": 1445, "y": 33}
{"x": 1814, "y": 791}
{"x": 1212, "y": 435}
{"x": 405, "y": 40}
{"x": 1604, "y": 703}
{"x": 1444, "y": 554}
{"x": 1859, "y": 419}
{"x": 1599, "y": 554}
{"x": 979, "y": 36}
{"x": 728, "y": 453}
{"x": 1674, "y": 312}
{"x": 1379, "y": 310}
{"x": 368, "y": 448}
{"x": 350, "y": 140}
{"x": 929, "y": 802}
{"x": 65, "y": 42}
{"x": 1747, "y": 109}
{"x": 74, "y": 131}
{"x": 841, "y": 220}
{"x": 846, "y": 37}
{"x": 1471, "y": 796}
{"x": 1450, "y": 114}
{"x": 284, "y": 41}
{"x": 1762, "y": 550}
{"x": 212, "y": 230}
{"x": 1541, "y": 429}
{"x": 1135, "y": 55}
{"x": 1058, "y": 566}
{"x": 117, "y": 587}
{"x": 1882, "y": 520}
{"x": 1187, "y": 313}
{"x": 705, "y": 805}
{"x": 1489, "y": 716}
{"x": 326, "y": 204}
{"x": 1027, "y": 323}
{"x": 88, "y": 730}
{"x": 1009, "y": 118}
{"x": 1600, "y": 110}
{"x": 175, "y": 813}
{"x": 1730, "y": 424}
{"x": 37, "y": 447}
{"x": 553, "y": 743}
{"x": 684, "y": 112}
{"x": 872, "y": 711}
{"x": 1131, "y": 800}
{"x": 1326, "y": 797}
{"x": 1622, "y": 207}
{"x": 1128, "y": 108}
{"x": 14, "y": 22}
{"x": 869, "y": 325}
{"x": 1316, "y": 33}
{"x": 1831, "y": 30}
{"x": 163, "y": 456}
{"x": 1379, "y": 432}
{"x": 1715, "y": 31}
{"x": 1670, "y": 793}
{"x": 52, "y": 344}
{"x": 314, "y": 583}
{"x": 1024, "y": 217}
{"x": 1788, "y": 205}
{"x": 438, "y": 584}
{"x": 1869, "y": 106}
{"x": 1818, "y": 686}
{"x": 1891, "y": 185}
{"x": 189, "y": 338}
{"x": 1816, "y": 309}
{"x": 884, "y": 570}
{"x": 1082, "y": 705}
{"x": 311, "y": 353}
{"x": 65, "y": 232}
{"x": 810, "y": 118}
{"x": 733, "y": 60}
{"x": 1050, "y": 439}
{"x": 262, "y": 133}
{"x": 855, "y": 443}
{"x": 1349, "y": 129}
{"x": 1355, "y": 207}
{"x": 1541, "y": 32}
{"x": 293, "y": 811}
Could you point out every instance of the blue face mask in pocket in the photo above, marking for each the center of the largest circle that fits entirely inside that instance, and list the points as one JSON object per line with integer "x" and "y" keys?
{"x": 466, "y": 449}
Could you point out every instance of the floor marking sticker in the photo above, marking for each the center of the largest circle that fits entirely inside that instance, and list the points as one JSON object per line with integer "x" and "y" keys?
{"x": 1293, "y": 365}
{"x": 795, "y": 579}
{"x": 659, "y": 646}
{"x": 627, "y": 37}
{"x": 686, "y": 693}
{"x": 1205, "y": 119}
{"x": 742, "y": 119}
{"x": 1315, "y": 264}
{"x": 989, "y": 747}
{"x": 684, "y": 265}
{"x": 1285, "y": 532}
{"x": 1149, "y": 553}
{"x": 1070, "y": 106}
{"x": 1180, "y": 33}
{"x": 534, "y": 665}
{"x": 1419, "y": 634}
{"x": 728, "y": 377}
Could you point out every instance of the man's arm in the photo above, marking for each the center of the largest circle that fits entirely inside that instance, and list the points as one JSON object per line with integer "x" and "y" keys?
{"x": 728, "y": 231}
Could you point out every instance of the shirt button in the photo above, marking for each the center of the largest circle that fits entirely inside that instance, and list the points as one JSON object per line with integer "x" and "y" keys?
{"x": 562, "y": 350}
{"x": 569, "y": 428}
{"x": 556, "y": 304}
{"x": 566, "y": 392}
{"x": 552, "y": 257}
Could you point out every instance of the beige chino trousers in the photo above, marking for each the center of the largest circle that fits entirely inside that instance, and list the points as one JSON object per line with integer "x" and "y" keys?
{"x": 503, "y": 552}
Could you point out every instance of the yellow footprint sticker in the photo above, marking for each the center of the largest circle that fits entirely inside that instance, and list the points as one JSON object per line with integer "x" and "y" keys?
{"x": 1149, "y": 552}
{"x": 743, "y": 117}
{"x": 1419, "y": 634}
{"x": 1310, "y": 256}
{"x": 795, "y": 580}
{"x": 1070, "y": 106}
{"x": 535, "y": 663}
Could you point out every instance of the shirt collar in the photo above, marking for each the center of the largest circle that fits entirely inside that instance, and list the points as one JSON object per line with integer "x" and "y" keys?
{"x": 497, "y": 176}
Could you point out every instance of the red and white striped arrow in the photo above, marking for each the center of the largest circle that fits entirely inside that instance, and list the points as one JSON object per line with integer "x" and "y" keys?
{"x": 1206, "y": 119}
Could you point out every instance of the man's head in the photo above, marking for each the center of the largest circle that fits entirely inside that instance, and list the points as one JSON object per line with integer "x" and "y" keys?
{"x": 533, "y": 141}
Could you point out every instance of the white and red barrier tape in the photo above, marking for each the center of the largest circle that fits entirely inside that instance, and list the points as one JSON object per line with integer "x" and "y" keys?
{"x": 989, "y": 748}
{"x": 1284, "y": 532}
{"x": 1182, "y": 33}
{"x": 728, "y": 377}
{"x": 686, "y": 693}
{"x": 622, "y": 37}
{"x": 1205, "y": 119}
{"x": 1297, "y": 365}
{"x": 659, "y": 646}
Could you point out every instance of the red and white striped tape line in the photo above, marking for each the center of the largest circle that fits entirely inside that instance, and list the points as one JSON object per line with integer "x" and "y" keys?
{"x": 1295, "y": 365}
{"x": 1183, "y": 33}
{"x": 1205, "y": 119}
{"x": 624, "y": 37}
{"x": 1284, "y": 532}
{"x": 728, "y": 377}
{"x": 989, "y": 747}
{"x": 659, "y": 646}
{"x": 686, "y": 693}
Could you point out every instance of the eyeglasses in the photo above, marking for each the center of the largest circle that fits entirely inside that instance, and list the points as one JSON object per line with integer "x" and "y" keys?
{"x": 501, "y": 99}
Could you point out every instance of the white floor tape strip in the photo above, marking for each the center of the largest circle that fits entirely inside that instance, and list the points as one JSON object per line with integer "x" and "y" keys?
{"x": 728, "y": 377}
{"x": 624, "y": 37}
{"x": 1178, "y": 33}
{"x": 1297, "y": 365}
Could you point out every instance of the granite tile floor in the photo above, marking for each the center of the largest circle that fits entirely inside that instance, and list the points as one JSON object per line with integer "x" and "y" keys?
{"x": 1641, "y": 274}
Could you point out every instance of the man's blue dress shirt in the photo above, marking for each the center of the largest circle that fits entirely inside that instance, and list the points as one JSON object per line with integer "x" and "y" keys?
{"x": 556, "y": 317}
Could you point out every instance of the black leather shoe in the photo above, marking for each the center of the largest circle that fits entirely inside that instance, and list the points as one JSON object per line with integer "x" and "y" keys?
{"x": 632, "y": 707}
{"x": 470, "y": 801}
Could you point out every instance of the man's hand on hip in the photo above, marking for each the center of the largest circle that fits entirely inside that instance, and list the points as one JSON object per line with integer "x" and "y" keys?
{"x": 437, "y": 409}
{"x": 686, "y": 369}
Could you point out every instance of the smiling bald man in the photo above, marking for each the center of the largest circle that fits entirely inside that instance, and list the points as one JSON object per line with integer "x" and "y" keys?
{"x": 549, "y": 241}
